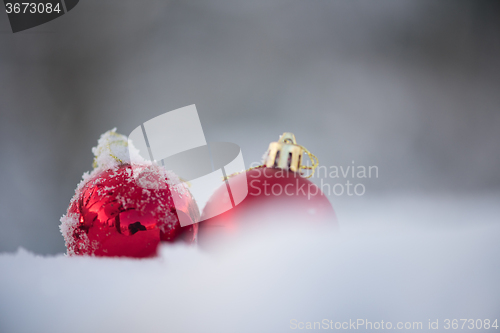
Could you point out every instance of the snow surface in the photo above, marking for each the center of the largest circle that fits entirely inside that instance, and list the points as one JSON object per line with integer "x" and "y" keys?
{"x": 397, "y": 259}
{"x": 413, "y": 272}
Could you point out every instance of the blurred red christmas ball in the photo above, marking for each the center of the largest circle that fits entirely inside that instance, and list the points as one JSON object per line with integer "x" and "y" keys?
{"x": 115, "y": 214}
{"x": 275, "y": 196}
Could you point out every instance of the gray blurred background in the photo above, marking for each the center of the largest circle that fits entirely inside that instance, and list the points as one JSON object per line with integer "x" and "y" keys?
{"x": 412, "y": 87}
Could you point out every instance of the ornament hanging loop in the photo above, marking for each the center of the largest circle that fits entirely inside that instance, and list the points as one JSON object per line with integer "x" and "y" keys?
{"x": 314, "y": 162}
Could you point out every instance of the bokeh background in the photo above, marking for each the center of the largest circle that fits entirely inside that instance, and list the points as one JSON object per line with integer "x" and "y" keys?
{"x": 412, "y": 87}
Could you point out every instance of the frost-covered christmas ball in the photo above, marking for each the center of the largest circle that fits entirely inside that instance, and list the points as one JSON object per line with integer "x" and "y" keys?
{"x": 120, "y": 209}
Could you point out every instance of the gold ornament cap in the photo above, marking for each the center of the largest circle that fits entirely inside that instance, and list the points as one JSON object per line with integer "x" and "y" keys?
{"x": 285, "y": 154}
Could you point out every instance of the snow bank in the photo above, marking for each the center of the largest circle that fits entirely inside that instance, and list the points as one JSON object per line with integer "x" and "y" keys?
{"x": 260, "y": 284}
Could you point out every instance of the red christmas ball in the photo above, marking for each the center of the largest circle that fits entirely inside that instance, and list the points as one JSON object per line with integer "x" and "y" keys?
{"x": 114, "y": 213}
{"x": 276, "y": 196}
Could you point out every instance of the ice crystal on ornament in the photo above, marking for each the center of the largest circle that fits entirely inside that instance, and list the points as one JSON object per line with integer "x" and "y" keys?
{"x": 75, "y": 241}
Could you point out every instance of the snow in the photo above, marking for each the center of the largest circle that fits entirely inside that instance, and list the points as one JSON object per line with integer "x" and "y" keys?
{"x": 397, "y": 270}
{"x": 68, "y": 224}
{"x": 396, "y": 259}
{"x": 114, "y": 149}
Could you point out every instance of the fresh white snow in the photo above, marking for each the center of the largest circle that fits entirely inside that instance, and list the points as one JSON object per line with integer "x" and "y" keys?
{"x": 399, "y": 270}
